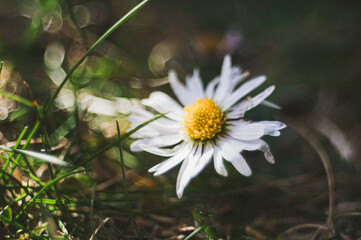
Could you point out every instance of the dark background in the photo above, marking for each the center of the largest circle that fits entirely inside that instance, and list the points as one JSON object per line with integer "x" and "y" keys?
{"x": 310, "y": 50}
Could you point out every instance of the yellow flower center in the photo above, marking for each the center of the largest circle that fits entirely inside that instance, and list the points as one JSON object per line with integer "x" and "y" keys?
{"x": 203, "y": 119}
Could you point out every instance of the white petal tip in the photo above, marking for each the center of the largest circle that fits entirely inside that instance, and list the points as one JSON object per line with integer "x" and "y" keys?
{"x": 261, "y": 78}
{"x": 135, "y": 148}
{"x": 276, "y": 134}
{"x": 157, "y": 173}
{"x": 224, "y": 174}
{"x": 269, "y": 157}
{"x": 172, "y": 76}
{"x": 180, "y": 194}
{"x": 271, "y": 105}
{"x": 271, "y": 88}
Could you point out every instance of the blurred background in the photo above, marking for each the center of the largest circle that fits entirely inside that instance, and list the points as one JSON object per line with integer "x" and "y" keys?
{"x": 310, "y": 50}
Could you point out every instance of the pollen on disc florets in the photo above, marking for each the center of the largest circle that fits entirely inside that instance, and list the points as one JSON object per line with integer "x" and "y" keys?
{"x": 203, "y": 119}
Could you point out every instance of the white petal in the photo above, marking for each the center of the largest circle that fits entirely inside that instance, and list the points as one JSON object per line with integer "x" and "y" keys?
{"x": 181, "y": 172}
{"x": 164, "y": 104}
{"x": 193, "y": 162}
{"x": 204, "y": 160}
{"x": 239, "y": 110}
{"x": 211, "y": 86}
{"x": 161, "y": 126}
{"x": 166, "y": 165}
{"x": 243, "y": 91}
{"x": 134, "y": 147}
{"x": 218, "y": 162}
{"x": 225, "y": 81}
{"x": 179, "y": 90}
{"x": 159, "y": 141}
{"x": 195, "y": 85}
{"x": 139, "y": 116}
{"x": 271, "y": 105}
{"x": 231, "y": 154}
{"x": 261, "y": 145}
{"x": 241, "y": 165}
{"x": 271, "y": 127}
{"x": 248, "y": 131}
{"x": 141, "y": 112}
{"x": 165, "y": 152}
{"x": 157, "y": 128}
{"x": 145, "y": 132}
{"x": 237, "y": 76}
{"x": 185, "y": 173}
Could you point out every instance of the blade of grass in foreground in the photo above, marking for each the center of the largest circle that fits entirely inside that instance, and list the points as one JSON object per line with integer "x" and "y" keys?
{"x": 125, "y": 186}
{"x": 90, "y": 50}
{"x": 194, "y": 233}
{"x": 16, "y": 98}
{"x": 16, "y": 146}
{"x": 37, "y": 155}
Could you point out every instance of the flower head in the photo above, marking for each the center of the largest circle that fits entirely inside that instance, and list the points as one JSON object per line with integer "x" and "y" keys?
{"x": 207, "y": 125}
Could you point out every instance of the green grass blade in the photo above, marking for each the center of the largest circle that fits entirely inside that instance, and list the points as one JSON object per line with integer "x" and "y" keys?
{"x": 32, "y": 133}
{"x": 92, "y": 208}
{"x": 125, "y": 186}
{"x": 16, "y": 98}
{"x": 16, "y": 146}
{"x": 195, "y": 232}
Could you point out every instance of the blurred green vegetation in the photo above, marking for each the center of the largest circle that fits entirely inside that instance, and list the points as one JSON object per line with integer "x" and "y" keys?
{"x": 309, "y": 49}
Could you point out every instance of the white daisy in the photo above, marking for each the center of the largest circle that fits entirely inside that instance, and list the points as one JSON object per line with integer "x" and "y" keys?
{"x": 209, "y": 126}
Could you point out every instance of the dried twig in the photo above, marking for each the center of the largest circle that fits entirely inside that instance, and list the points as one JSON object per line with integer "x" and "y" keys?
{"x": 98, "y": 228}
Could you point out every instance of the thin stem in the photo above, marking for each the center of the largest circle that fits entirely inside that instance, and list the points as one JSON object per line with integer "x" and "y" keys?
{"x": 125, "y": 186}
{"x": 30, "y": 174}
{"x": 195, "y": 232}
{"x": 16, "y": 98}
{"x": 16, "y": 145}
{"x": 32, "y": 133}
{"x": 92, "y": 209}
{"x": 98, "y": 228}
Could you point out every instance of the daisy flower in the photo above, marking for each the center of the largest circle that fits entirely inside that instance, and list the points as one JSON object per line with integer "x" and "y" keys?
{"x": 207, "y": 124}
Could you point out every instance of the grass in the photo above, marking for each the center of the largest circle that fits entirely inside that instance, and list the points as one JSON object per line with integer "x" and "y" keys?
{"x": 68, "y": 173}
